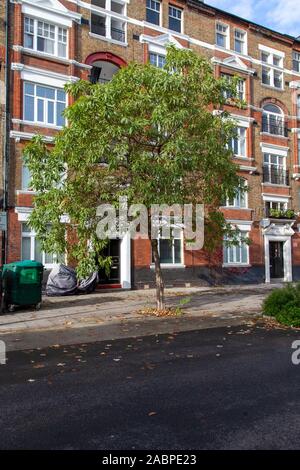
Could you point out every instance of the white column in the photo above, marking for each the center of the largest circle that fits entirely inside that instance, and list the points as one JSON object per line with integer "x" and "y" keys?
{"x": 125, "y": 261}
{"x": 287, "y": 256}
{"x": 267, "y": 259}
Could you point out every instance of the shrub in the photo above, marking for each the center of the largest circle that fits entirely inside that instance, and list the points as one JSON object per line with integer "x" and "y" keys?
{"x": 289, "y": 316}
{"x": 284, "y": 305}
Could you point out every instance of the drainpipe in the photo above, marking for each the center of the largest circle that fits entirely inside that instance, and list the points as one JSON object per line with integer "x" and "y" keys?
{"x": 7, "y": 129}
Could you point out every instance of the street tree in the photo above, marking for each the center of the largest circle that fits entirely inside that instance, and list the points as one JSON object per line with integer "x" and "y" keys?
{"x": 154, "y": 135}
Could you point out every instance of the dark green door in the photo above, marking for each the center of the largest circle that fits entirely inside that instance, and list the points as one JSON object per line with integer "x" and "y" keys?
{"x": 276, "y": 260}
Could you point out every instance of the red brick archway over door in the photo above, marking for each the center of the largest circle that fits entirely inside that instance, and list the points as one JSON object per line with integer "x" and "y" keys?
{"x": 107, "y": 56}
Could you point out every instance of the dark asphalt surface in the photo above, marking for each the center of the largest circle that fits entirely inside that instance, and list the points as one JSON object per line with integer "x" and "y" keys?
{"x": 223, "y": 388}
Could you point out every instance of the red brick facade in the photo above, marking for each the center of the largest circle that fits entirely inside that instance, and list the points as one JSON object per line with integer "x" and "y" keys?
{"x": 136, "y": 39}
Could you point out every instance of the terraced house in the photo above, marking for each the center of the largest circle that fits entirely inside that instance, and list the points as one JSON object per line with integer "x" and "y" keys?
{"x": 52, "y": 42}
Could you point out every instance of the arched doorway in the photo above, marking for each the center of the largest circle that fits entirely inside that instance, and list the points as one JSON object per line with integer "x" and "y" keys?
{"x": 104, "y": 66}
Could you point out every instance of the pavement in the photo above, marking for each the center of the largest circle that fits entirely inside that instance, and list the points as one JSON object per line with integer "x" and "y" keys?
{"x": 220, "y": 388}
{"x": 114, "y": 314}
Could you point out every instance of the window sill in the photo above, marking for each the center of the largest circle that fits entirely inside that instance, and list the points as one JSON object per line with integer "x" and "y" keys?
{"x": 276, "y": 136}
{"x": 112, "y": 41}
{"x": 25, "y": 191}
{"x": 235, "y": 208}
{"x": 45, "y": 55}
{"x": 37, "y": 124}
{"x": 246, "y": 159}
{"x": 169, "y": 266}
{"x": 276, "y": 185}
{"x": 270, "y": 87}
{"x": 237, "y": 265}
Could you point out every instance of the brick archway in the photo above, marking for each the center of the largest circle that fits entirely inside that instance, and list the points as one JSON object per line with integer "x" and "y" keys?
{"x": 106, "y": 56}
{"x": 276, "y": 102}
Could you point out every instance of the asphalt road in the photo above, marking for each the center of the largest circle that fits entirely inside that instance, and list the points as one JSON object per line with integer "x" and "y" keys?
{"x": 224, "y": 388}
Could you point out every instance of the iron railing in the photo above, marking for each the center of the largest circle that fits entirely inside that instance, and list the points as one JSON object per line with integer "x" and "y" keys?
{"x": 275, "y": 175}
{"x": 274, "y": 126}
{"x": 118, "y": 34}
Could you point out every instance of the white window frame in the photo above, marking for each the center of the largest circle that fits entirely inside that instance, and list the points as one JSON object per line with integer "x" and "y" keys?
{"x": 173, "y": 228}
{"x": 32, "y": 236}
{"x": 244, "y": 41}
{"x": 158, "y": 57}
{"x": 298, "y": 106}
{"x": 57, "y": 27}
{"x": 226, "y": 35}
{"x": 271, "y": 69}
{"x": 236, "y": 251}
{"x": 46, "y": 101}
{"x": 156, "y": 11}
{"x": 241, "y": 139}
{"x": 277, "y": 117}
{"x": 109, "y": 17}
{"x": 240, "y": 87}
{"x": 240, "y": 201}
{"x": 176, "y": 18}
{"x": 296, "y": 59}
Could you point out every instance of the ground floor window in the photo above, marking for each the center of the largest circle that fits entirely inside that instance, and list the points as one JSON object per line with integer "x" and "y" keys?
{"x": 31, "y": 248}
{"x": 170, "y": 250}
{"x": 237, "y": 253}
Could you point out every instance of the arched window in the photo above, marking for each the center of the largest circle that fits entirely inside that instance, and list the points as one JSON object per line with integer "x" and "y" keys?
{"x": 273, "y": 120}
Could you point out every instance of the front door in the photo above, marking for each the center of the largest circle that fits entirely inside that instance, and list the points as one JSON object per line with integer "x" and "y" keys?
{"x": 112, "y": 250}
{"x": 276, "y": 260}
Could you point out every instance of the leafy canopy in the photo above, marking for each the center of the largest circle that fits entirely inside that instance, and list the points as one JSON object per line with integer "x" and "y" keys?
{"x": 157, "y": 136}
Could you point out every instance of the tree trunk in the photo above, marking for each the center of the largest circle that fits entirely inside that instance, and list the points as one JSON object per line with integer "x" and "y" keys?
{"x": 160, "y": 288}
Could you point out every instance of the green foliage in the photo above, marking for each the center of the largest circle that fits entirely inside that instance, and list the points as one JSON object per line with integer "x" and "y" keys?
{"x": 284, "y": 305}
{"x": 285, "y": 214}
{"x": 150, "y": 135}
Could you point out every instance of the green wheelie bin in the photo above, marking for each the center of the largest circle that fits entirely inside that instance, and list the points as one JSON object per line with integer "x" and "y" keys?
{"x": 22, "y": 284}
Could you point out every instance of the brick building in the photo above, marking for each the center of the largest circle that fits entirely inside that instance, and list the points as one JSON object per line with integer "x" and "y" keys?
{"x": 53, "y": 42}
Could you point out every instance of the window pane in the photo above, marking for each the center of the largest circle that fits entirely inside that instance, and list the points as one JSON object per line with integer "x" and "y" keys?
{"x": 37, "y": 251}
{"x": 177, "y": 251}
{"x": 244, "y": 250}
{"x": 29, "y": 89}
{"x": 28, "y": 40}
{"x": 60, "y": 120}
{"x": 61, "y": 96}
{"x": 221, "y": 40}
{"x": 40, "y": 111}
{"x": 62, "y": 50}
{"x": 152, "y": 11}
{"x": 50, "y": 114}
{"x": 49, "y": 258}
{"x": 25, "y": 248}
{"x": 98, "y": 24}
{"x": 29, "y": 108}
{"x": 26, "y": 228}
{"x": 165, "y": 250}
{"x": 26, "y": 177}
{"x": 45, "y": 92}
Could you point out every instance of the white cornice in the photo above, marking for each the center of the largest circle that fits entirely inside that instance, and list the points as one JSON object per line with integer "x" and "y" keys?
{"x": 45, "y": 73}
{"x": 18, "y": 135}
{"x": 235, "y": 63}
{"x": 51, "y": 57}
{"x": 250, "y": 169}
{"x": 50, "y": 6}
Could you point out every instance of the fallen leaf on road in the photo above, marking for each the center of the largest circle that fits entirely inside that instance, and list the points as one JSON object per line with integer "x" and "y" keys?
{"x": 61, "y": 364}
{"x": 38, "y": 366}
{"x": 152, "y": 413}
{"x": 117, "y": 360}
